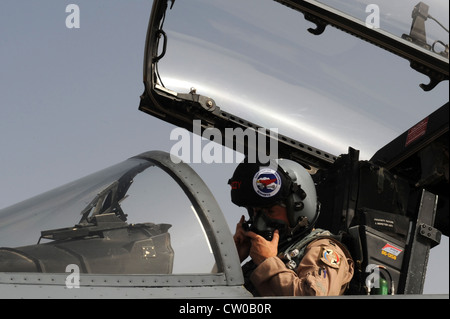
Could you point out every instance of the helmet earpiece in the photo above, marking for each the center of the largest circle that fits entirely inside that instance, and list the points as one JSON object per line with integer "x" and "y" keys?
{"x": 294, "y": 205}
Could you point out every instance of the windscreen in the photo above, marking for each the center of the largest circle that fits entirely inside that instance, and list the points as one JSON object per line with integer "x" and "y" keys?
{"x": 131, "y": 218}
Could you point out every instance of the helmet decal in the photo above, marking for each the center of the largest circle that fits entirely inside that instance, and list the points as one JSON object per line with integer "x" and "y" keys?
{"x": 267, "y": 182}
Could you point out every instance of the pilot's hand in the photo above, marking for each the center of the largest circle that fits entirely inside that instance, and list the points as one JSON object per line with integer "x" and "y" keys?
{"x": 261, "y": 249}
{"x": 241, "y": 240}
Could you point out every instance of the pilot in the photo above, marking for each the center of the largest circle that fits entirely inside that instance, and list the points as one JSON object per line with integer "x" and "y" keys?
{"x": 288, "y": 256}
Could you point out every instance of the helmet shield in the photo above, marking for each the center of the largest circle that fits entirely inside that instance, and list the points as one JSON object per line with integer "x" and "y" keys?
{"x": 259, "y": 185}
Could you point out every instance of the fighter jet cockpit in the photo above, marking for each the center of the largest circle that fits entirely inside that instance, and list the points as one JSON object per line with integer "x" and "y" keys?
{"x": 355, "y": 91}
{"x": 116, "y": 221}
{"x": 357, "y": 108}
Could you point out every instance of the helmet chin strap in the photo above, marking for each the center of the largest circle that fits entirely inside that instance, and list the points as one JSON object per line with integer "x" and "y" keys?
{"x": 301, "y": 224}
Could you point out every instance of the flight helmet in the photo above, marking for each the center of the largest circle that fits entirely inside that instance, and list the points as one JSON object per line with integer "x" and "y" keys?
{"x": 283, "y": 182}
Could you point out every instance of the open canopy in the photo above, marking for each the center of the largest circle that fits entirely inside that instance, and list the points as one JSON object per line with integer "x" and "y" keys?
{"x": 263, "y": 64}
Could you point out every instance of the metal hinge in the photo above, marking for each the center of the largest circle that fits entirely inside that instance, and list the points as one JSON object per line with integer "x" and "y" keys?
{"x": 431, "y": 233}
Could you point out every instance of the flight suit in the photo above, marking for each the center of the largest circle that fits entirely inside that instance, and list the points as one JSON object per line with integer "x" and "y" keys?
{"x": 325, "y": 269}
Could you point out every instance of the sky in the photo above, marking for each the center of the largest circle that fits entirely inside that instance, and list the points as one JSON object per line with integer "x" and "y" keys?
{"x": 70, "y": 96}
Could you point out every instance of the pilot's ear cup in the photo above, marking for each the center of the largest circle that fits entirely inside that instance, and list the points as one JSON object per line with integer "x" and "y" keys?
{"x": 294, "y": 204}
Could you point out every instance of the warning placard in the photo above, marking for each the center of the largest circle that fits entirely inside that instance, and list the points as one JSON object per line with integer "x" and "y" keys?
{"x": 416, "y": 131}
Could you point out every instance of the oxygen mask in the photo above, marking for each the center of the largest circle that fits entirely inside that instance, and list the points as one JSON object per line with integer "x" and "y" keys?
{"x": 263, "y": 225}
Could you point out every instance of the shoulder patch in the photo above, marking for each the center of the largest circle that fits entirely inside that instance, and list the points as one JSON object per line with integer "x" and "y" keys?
{"x": 330, "y": 257}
